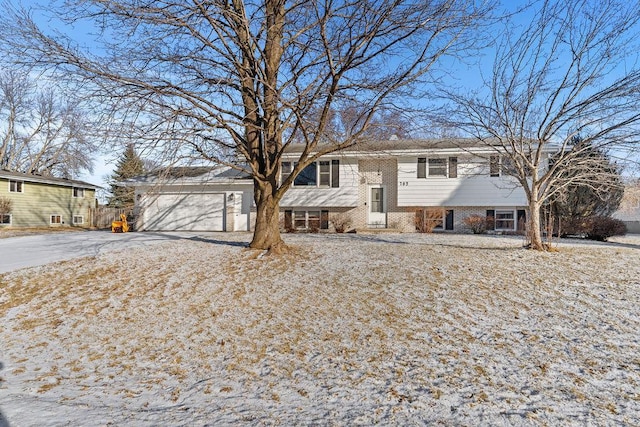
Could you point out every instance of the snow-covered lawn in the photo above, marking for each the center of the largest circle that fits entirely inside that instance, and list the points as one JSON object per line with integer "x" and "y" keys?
{"x": 346, "y": 330}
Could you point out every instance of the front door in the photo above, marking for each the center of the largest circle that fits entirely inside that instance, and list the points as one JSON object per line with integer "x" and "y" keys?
{"x": 377, "y": 217}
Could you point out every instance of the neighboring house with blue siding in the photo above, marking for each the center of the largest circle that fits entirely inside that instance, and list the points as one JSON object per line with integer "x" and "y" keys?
{"x": 39, "y": 201}
{"x": 379, "y": 185}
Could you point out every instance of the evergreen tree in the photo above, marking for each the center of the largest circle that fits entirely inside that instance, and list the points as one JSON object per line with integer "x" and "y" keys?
{"x": 594, "y": 191}
{"x": 129, "y": 166}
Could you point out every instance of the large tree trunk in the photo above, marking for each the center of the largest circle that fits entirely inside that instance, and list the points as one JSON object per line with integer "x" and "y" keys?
{"x": 535, "y": 234}
{"x": 266, "y": 235}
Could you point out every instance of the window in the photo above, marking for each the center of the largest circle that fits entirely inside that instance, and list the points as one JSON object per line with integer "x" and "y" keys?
{"x": 307, "y": 220}
{"x": 438, "y": 167}
{"x": 377, "y": 200}
{"x": 78, "y": 219}
{"x": 287, "y": 168}
{"x": 313, "y": 220}
{"x": 505, "y": 220}
{"x": 446, "y": 223}
{"x": 300, "y": 219}
{"x": 16, "y": 186}
{"x": 494, "y": 166}
{"x": 508, "y": 167}
{"x": 422, "y": 167}
{"x": 501, "y": 166}
{"x": 78, "y": 192}
{"x": 5, "y": 219}
{"x": 324, "y": 173}
{"x": 56, "y": 219}
{"x": 307, "y": 177}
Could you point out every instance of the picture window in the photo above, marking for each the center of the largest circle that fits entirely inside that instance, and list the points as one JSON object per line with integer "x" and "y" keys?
{"x": 323, "y": 173}
{"x": 437, "y": 167}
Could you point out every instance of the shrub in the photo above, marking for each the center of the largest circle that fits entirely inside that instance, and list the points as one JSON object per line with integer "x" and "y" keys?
{"x": 602, "y": 227}
{"x": 286, "y": 224}
{"x": 6, "y": 205}
{"x": 476, "y": 223}
{"x": 341, "y": 223}
{"x": 428, "y": 219}
{"x": 573, "y": 227}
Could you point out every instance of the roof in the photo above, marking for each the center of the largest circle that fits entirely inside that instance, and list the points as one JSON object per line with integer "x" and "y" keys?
{"x": 50, "y": 180}
{"x": 409, "y": 146}
{"x": 191, "y": 174}
{"x": 396, "y": 144}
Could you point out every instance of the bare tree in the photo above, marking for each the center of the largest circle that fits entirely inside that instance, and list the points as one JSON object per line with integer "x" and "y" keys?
{"x": 6, "y": 205}
{"x": 569, "y": 72}
{"x": 221, "y": 79}
{"x": 41, "y": 131}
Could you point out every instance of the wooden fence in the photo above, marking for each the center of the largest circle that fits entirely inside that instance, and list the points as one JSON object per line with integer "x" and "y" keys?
{"x": 104, "y": 215}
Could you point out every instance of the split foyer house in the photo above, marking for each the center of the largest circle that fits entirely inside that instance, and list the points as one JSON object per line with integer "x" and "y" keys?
{"x": 39, "y": 201}
{"x": 379, "y": 185}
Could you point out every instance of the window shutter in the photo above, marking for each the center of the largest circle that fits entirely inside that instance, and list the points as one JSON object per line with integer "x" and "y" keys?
{"x": 491, "y": 219}
{"x": 324, "y": 220}
{"x": 422, "y": 167}
{"x": 448, "y": 221}
{"x": 335, "y": 173}
{"x": 288, "y": 224}
{"x": 522, "y": 220}
{"x": 453, "y": 167}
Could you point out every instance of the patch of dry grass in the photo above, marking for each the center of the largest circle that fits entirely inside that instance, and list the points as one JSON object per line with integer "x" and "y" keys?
{"x": 6, "y": 232}
{"x": 338, "y": 322}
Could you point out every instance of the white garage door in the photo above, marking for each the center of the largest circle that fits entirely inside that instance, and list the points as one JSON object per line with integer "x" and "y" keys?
{"x": 186, "y": 212}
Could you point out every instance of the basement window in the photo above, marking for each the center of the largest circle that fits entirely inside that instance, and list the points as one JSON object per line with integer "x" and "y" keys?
{"x": 505, "y": 220}
{"x": 306, "y": 219}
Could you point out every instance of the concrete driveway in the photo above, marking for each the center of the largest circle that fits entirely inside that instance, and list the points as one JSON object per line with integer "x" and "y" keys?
{"x": 41, "y": 249}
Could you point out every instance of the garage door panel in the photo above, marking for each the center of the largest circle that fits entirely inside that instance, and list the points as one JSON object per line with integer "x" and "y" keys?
{"x": 186, "y": 212}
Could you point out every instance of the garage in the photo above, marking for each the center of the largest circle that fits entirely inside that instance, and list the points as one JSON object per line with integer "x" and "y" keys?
{"x": 185, "y": 212}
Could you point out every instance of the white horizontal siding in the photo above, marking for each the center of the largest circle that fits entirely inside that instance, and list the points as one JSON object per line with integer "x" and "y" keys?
{"x": 344, "y": 196}
{"x": 472, "y": 187}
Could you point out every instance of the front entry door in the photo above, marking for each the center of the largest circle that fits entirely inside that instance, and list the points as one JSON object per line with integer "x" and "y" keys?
{"x": 377, "y": 207}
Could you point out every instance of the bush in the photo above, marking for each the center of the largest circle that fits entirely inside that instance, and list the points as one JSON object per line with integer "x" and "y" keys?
{"x": 602, "y": 227}
{"x": 428, "y": 219}
{"x": 476, "y": 223}
{"x": 574, "y": 227}
{"x": 6, "y": 205}
{"x": 341, "y": 223}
